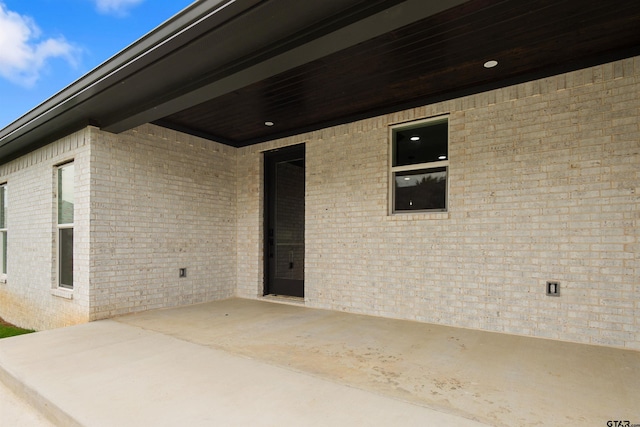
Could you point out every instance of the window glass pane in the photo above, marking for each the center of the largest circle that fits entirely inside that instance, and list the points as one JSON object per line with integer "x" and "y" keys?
{"x": 66, "y": 257}
{"x": 3, "y": 248}
{"x": 3, "y": 206}
{"x": 65, "y": 194}
{"x": 420, "y": 144}
{"x": 422, "y": 189}
{"x": 3, "y": 228}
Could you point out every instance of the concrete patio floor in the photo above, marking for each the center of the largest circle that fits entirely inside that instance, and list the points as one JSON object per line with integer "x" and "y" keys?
{"x": 245, "y": 362}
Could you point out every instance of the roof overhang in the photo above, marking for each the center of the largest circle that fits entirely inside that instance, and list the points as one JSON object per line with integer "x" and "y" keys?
{"x": 220, "y": 68}
{"x": 77, "y": 105}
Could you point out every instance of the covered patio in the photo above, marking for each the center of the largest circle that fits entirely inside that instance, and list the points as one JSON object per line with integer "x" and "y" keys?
{"x": 276, "y": 362}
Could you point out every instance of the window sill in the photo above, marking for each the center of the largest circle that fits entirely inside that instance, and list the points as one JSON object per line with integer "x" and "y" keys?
{"x": 62, "y": 293}
{"x": 3, "y": 279}
{"x": 416, "y": 216}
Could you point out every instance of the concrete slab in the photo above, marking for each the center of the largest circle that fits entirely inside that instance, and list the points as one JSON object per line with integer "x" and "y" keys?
{"x": 113, "y": 374}
{"x": 243, "y": 362}
{"x": 495, "y": 378}
{"x": 14, "y": 411}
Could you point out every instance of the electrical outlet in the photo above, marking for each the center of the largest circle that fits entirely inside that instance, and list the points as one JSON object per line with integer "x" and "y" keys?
{"x": 553, "y": 289}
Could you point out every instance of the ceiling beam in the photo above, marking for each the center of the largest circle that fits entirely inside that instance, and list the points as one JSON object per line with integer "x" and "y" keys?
{"x": 377, "y": 24}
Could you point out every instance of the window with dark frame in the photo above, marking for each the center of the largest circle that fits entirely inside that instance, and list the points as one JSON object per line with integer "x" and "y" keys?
{"x": 419, "y": 168}
{"x": 3, "y": 229}
{"x": 65, "y": 225}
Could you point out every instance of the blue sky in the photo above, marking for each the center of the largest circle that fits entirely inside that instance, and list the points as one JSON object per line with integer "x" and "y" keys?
{"x": 45, "y": 45}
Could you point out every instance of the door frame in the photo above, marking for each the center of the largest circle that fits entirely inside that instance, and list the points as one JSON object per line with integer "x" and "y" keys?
{"x": 270, "y": 158}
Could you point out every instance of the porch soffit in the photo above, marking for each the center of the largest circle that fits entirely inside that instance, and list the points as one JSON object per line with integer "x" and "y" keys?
{"x": 222, "y": 68}
{"x": 436, "y": 58}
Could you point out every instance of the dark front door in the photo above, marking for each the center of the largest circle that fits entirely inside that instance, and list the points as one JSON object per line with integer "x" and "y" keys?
{"x": 284, "y": 222}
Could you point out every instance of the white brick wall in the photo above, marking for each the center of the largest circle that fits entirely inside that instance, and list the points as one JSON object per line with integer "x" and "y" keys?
{"x": 544, "y": 185}
{"x": 160, "y": 201}
{"x": 147, "y": 202}
{"x": 26, "y": 298}
{"x": 544, "y": 182}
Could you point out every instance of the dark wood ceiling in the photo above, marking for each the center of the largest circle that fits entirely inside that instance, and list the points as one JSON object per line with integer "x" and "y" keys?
{"x": 436, "y": 58}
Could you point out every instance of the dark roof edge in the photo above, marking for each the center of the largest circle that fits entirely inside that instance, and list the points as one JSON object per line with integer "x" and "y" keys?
{"x": 146, "y": 49}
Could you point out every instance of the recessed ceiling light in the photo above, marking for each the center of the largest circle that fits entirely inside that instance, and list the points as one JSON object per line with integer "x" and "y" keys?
{"x": 490, "y": 64}
{"x": 442, "y": 157}
{"x": 415, "y": 138}
{"x": 406, "y": 178}
{"x": 268, "y": 123}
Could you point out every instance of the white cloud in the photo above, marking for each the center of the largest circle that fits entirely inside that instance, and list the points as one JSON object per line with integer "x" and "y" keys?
{"x": 23, "y": 54}
{"x": 116, "y": 7}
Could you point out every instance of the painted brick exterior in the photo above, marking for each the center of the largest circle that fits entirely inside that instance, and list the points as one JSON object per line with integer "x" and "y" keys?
{"x": 147, "y": 203}
{"x": 28, "y": 298}
{"x": 544, "y": 185}
{"x": 160, "y": 201}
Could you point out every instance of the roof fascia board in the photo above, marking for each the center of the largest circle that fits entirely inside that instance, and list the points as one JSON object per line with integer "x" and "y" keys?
{"x": 380, "y": 23}
{"x": 185, "y": 25}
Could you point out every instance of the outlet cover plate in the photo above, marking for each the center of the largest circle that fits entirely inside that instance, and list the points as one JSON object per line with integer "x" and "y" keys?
{"x": 553, "y": 289}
